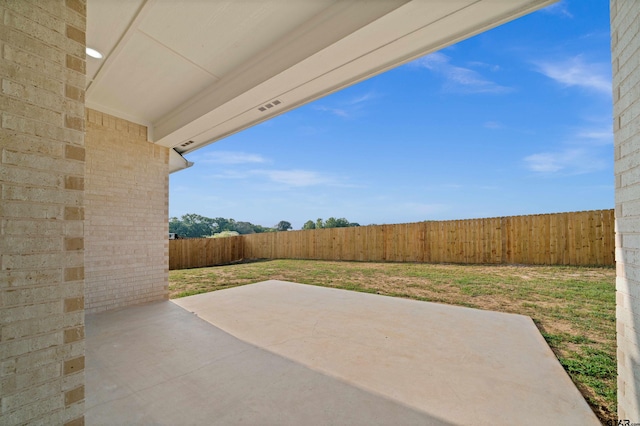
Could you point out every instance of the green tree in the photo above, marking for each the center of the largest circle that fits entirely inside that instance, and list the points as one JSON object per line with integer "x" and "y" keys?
{"x": 283, "y": 225}
{"x": 223, "y": 224}
{"x": 332, "y": 222}
{"x": 175, "y": 226}
{"x": 245, "y": 228}
{"x": 258, "y": 229}
{"x": 192, "y": 225}
{"x": 342, "y": 223}
{"x": 196, "y": 226}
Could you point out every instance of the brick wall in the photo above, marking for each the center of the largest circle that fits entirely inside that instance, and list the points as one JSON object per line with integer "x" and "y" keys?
{"x": 625, "y": 42}
{"x": 126, "y": 208}
{"x": 42, "y": 64}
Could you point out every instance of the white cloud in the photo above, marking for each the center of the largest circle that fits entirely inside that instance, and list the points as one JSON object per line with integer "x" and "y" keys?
{"x": 490, "y": 67}
{"x": 545, "y": 162}
{"x": 295, "y": 178}
{"x": 350, "y": 107}
{"x": 493, "y": 125}
{"x": 560, "y": 9}
{"x": 229, "y": 157}
{"x": 335, "y": 111}
{"x": 290, "y": 178}
{"x": 575, "y": 72}
{"x": 567, "y": 161}
{"x": 230, "y": 174}
{"x": 459, "y": 79}
{"x": 362, "y": 98}
{"x": 588, "y": 149}
{"x": 603, "y": 136}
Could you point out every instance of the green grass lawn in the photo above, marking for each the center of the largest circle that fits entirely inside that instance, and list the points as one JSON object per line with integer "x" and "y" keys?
{"x": 574, "y": 307}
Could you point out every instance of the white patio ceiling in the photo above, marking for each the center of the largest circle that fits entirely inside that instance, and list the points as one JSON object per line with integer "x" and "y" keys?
{"x": 195, "y": 71}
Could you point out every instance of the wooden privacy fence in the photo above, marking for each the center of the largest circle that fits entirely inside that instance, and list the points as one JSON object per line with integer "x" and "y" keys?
{"x": 200, "y": 252}
{"x": 577, "y": 238}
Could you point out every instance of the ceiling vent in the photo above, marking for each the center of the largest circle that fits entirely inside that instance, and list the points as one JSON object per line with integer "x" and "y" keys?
{"x": 186, "y": 144}
{"x": 270, "y": 105}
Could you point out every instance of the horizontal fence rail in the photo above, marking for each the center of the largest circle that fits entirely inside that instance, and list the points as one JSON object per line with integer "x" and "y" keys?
{"x": 576, "y": 238}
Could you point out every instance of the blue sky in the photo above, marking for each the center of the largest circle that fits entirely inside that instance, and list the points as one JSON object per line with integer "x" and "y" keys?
{"x": 514, "y": 121}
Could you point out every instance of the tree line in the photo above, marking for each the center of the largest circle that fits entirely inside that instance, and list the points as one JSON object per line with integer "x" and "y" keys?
{"x": 193, "y": 225}
{"x": 332, "y": 222}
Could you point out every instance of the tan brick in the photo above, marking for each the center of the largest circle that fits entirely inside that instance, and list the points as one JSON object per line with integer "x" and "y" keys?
{"x": 24, "y": 108}
{"x": 39, "y": 32}
{"x": 93, "y": 117}
{"x": 71, "y": 107}
{"x": 76, "y": 64}
{"x": 7, "y": 367}
{"x": 74, "y": 228}
{"x": 73, "y": 334}
{"x": 77, "y": 6}
{"x": 40, "y": 162}
{"x": 44, "y": 195}
{"x": 22, "y": 210}
{"x": 50, "y": 324}
{"x": 72, "y": 381}
{"x": 27, "y": 396}
{"x": 74, "y": 152}
{"x": 32, "y": 94}
{"x": 76, "y": 34}
{"x": 74, "y": 304}
{"x": 31, "y": 144}
{"x": 30, "y": 177}
{"x": 8, "y": 384}
{"x": 27, "y": 261}
{"x": 75, "y": 123}
{"x": 21, "y": 244}
{"x": 73, "y": 243}
{"x": 17, "y": 40}
{"x": 73, "y": 365}
{"x": 74, "y": 274}
{"x": 36, "y": 14}
{"x": 75, "y": 422}
{"x": 10, "y": 279}
{"x": 26, "y": 76}
{"x": 41, "y": 129}
{"x": 74, "y": 213}
{"x": 73, "y": 92}
{"x": 74, "y": 182}
{"x": 73, "y": 396}
{"x": 38, "y": 375}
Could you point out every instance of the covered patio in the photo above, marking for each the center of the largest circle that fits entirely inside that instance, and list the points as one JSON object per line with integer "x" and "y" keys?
{"x": 87, "y": 145}
{"x": 288, "y": 354}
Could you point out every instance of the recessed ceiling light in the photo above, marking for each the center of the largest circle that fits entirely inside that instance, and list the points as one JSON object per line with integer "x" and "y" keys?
{"x": 93, "y": 53}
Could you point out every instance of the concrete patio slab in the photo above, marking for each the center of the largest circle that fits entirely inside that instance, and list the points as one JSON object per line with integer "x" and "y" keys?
{"x": 277, "y": 353}
{"x": 158, "y": 364}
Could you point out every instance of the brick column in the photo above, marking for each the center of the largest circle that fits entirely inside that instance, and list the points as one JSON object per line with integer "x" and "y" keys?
{"x": 625, "y": 42}
{"x": 42, "y": 73}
